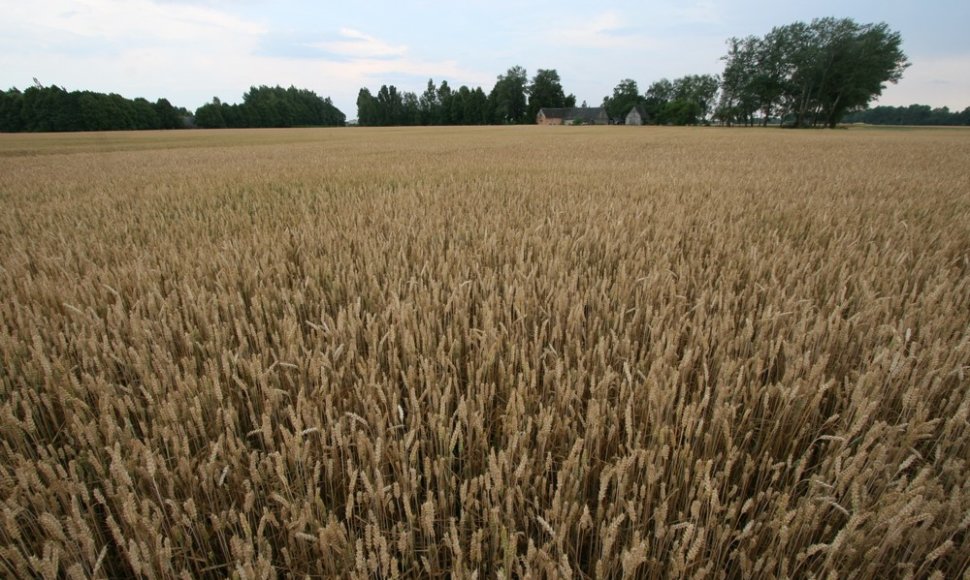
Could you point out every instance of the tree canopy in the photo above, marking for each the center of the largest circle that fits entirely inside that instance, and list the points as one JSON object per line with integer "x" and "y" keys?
{"x": 911, "y": 115}
{"x": 437, "y": 105}
{"x": 546, "y": 90}
{"x": 265, "y": 106}
{"x": 626, "y": 95}
{"x": 56, "y": 109}
{"x": 507, "y": 101}
{"x": 809, "y": 74}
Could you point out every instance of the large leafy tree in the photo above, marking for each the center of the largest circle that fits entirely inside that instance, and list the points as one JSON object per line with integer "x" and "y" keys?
{"x": 209, "y": 115}
{"x": 694, "y": 98}
{"x": 368, "y": 109}
{"x": 626, "y": 95}
{"x": 811, "y": 74}
{"x": 475, "y": 107}
{"x": 11, "y": 110}
{"x": 507, "y": 101}
{"x": 753, "y": 81}
{"x": 447, "y": 101}
{"x": 658, "y": 95}
{"x": 168, "y": 116}
{"x": 429, "y": 106}
{"x": 546, "y": 90}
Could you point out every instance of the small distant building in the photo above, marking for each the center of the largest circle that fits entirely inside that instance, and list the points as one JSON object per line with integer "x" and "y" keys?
{"x": 572, "y": 116}
{"x": 636, "y": 116}
{"x": 550, "y": 116}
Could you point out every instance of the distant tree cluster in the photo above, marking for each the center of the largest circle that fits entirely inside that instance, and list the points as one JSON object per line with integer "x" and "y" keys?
{"x": 800, "y": 74}
{"x": 911, "y": 115}
{"x": 688, "y": 100}
{"x": 55, "y": 109}
{"x": 809, "y": 74}
{"x": 513, "y": 100}
{"x": 271, "y": 107}
{"x": 436, "y": 106}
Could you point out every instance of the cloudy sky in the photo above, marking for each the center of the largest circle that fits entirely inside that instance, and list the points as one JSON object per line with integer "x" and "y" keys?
{"x": 191, "y": 50}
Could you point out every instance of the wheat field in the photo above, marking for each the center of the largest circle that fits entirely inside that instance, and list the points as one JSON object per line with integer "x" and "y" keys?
{"x": 485, "y": 352}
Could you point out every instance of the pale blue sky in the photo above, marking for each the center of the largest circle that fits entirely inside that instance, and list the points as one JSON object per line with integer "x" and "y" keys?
{"x": 192, "y": 50}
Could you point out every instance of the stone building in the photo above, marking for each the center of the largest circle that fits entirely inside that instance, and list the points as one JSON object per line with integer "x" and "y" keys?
{"x": 572, "y": 116}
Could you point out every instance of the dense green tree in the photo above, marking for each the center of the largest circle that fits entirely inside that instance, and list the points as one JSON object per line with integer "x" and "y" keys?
{"x": 209, "y": 116}
{"x": 546, "y": 90}
{"x": 55, "y": 109}
{"x": 626, "y": 95}
{"x": 368, "y": 109}
{"x": 655, "y": 101}
{"x": 429, "y": 106}
{"x": 688, "y": 100}
{"x": 410, "y": 109}
{"x": 168, "y": 116}
{"x": 11, "y": 111}
{"x": 753, "y": 79}
{"x": 810, "y": 74}
{"x": 144, "y": 115}
{"x": 390, "y": 106}
{"x": 266, "y": 106}
{"x": 475, "y": 108}
{"x": 911, "y": 115}
{"x": 693, "y": 99}
{"x": 446, "y": 102}
{"x": 507, "y": 101}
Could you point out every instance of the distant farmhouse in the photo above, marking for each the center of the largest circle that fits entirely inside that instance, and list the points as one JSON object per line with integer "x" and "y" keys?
{"x": 636, "y": 116}
{"x": 588, "y": 116}
{"x": 572, "y": 116}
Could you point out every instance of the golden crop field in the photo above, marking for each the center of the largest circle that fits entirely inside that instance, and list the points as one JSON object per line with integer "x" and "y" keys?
{"x": 547, "y": 352}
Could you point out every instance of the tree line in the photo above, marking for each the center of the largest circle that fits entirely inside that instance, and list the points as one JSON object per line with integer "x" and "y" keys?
{"x": 911, "y": 115}
{"x": 53, "y": 108}
{"x": 513, "y": 100}
{"x": 801, "y": 74}
{"x": 688, "y": 100}
{"x": 265, "y": 106}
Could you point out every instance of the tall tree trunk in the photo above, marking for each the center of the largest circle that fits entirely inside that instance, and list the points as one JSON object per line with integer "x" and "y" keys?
{"x": 833, "y": 117}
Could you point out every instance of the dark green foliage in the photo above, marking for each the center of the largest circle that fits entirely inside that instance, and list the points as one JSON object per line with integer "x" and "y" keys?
{"x": 507, "y": 101}
{"x": 511, "y": 101}
{"x": 209, "y": 116}
{"x": 809, "y": 74}
{"x": 11, "y": 111}
{"x": 911, "y": 115}
{"x": 55, "y": 109}
{"x": 436, "y": 106}
{"x": 626, "y": 95}
{"x": 546, "y": 91}
{"x": 265, "y": 106}
{"x": 684, "y": 101}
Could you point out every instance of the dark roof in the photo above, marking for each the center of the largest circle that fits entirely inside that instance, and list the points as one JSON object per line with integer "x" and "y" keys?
{"x": 585, "y": 113}
{"x": 573, "y": 113}
{"x": 554, "y": 112}
{"x": 568, "y": 114}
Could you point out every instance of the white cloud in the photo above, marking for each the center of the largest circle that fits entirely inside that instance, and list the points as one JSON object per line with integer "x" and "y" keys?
{"x": 704, "y": 12}
{"x": 604, "y": 31}
{"x": 359, "y": 45}
{"x": 190, "y": 52}
{"x": 114, "y": 20}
